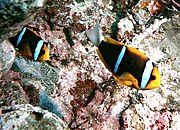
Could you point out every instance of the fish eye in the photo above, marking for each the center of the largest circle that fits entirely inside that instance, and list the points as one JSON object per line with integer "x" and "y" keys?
{"x": 46, "y": 43}
{"x": 42, "y": 52}
{"x": 153, "y": 77}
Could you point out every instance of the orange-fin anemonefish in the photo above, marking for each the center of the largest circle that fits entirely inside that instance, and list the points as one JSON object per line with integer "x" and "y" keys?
{"x": 30, "y": 45}
{"x": 128, "y": 65}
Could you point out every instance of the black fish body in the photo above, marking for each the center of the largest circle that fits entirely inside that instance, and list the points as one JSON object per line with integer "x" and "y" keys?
{"x": 128, "y": 65}
{"x": 30, "y": 45}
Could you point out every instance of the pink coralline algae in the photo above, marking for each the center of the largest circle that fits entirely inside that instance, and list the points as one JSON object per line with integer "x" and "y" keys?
{"x": 147, "y": 119}
{"x": 95, "y": 115}
{"x": 81, "y": 93}
{"x": 162, "y": 120}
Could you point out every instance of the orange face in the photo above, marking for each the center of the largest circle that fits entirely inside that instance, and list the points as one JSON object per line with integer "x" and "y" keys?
{"x": 45, "y": 55}
{"x": 155, "y": 80}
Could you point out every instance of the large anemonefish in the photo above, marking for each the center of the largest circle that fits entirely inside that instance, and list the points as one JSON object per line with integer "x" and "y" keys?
{"x": 30, "y": 45}
{"x": 128, "y": 65}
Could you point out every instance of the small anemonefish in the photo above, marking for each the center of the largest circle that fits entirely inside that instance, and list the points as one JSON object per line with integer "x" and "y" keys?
{"x": 128, "y": 65}
{"x": 30, "y": 45}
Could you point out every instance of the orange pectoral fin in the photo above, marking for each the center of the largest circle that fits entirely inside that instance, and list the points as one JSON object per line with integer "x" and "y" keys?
{"x": 127, "y": 79}
{"x": 25, "y": 52}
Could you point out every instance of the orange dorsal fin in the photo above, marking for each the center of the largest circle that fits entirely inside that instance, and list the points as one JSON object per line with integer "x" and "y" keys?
{"x": 112, "y": 41}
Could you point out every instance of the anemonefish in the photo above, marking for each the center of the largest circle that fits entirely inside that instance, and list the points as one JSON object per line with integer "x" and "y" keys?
{"x": 128, "y": 65}
{"x": 30, "y": 45}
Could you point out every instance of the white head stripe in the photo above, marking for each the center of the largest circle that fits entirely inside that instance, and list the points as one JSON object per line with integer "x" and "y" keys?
{"x": 38, "y": 49}
{"x": 20, "y": 36}
{"x": 119, "y": 59}
{"x": 146, "y": 74}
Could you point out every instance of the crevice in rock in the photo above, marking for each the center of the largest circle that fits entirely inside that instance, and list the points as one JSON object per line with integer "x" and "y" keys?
{"x": 121, "y": 121}
{"x": 90, "y": 97}
{"x": 68, "y": 36}
{"x": 38, "y": 115}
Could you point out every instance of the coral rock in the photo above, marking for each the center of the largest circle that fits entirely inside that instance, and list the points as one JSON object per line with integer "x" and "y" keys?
{"x": 7, "y": 56}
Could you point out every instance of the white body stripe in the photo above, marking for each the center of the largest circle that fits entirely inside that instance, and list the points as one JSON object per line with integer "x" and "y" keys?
{"x": 119, "y": 59}
{"x": 146, "y": 74}
{"x": 38, "y": 49}
{"x": 20, "y": 36}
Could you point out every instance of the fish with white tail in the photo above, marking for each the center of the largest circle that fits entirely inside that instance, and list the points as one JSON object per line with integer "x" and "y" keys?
{"x": 128, "y": 65}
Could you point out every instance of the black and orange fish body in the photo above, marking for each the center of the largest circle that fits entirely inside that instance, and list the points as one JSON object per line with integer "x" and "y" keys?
{"x": 128, "y": 65}
{"x": 30, "y": 45}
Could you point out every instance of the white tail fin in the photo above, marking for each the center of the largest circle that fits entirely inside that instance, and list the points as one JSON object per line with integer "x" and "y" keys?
{"x": 94, "y": 35}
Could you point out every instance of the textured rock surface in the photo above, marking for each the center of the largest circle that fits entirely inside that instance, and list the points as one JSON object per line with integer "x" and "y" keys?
{"x": 78, "y": 81}
{"x": 7, "y": 57}
{"x": 171, "y": 45}
{"x": 28, "y": 117}
{"x": 36, "y": 71}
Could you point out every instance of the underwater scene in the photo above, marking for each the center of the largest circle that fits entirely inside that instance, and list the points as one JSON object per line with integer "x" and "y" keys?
{"x": 89, "y": 65}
